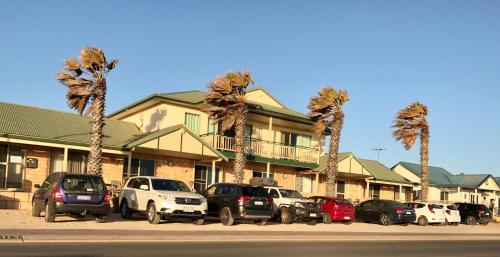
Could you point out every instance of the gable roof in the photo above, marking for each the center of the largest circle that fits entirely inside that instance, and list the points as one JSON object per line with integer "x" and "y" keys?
{"x": 381, "y": 172}
{"x": 37, "y": 124}
{"x": 437, "y": 175}
{"x": 323, "y": 160}
{"x": 469, "y": 180}
{"x": 259, "y": 88}
{"x": 195, "y": 97}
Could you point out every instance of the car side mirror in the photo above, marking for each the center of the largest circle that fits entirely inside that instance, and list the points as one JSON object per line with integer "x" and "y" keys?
{"x": 144, "y": 187}
{"x": 36, "y": 186}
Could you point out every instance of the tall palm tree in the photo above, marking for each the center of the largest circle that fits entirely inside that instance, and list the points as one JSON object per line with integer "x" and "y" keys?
{"x": 227, "y": 98}
{"x": 410, "y": 123}
{"x": 86, "y": 82}
{"x": 326, "y": 111}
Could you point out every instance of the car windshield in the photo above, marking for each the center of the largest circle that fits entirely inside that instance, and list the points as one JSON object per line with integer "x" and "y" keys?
{"x": 169, "y": 185}
{"x": 436, "y": 206}
{"x": 287, "y": 193}
{"x": 83, "y": 183}
{"x": 253, "y": 191}
{"x": 452, "y": 207}
{"x": 342, "y": 201}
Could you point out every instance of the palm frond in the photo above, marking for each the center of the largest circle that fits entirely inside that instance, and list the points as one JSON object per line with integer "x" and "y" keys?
{"x": 325, "y": 106}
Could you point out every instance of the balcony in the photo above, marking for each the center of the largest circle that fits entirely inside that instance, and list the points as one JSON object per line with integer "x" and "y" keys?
{"x": 266, "y": 149}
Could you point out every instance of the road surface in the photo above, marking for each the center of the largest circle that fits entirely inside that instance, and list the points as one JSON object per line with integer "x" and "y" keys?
{"x": 257, "y": 249}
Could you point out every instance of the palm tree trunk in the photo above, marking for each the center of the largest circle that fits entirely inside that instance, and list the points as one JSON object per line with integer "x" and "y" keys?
{"x": 240, "y": 159}
{"x": 424, "y": 163}
{"x": 332, "y": 169}
{"x": 97, "y": 124}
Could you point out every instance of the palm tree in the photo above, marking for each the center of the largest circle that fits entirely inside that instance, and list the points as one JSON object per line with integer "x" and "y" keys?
{"x": 227, "y": 98}
{"x": 410, "y": 123}
{"x": 86, "y": 82}
{"x": 326, "y": 111}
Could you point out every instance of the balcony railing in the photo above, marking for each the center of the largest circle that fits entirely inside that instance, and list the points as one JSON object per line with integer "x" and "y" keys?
{"x": 265, "y": 148}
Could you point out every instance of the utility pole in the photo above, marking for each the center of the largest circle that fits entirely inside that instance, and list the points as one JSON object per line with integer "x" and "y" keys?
{"x": 378, "y": 149}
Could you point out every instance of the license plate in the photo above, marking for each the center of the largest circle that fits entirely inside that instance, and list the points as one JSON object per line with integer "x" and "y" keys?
{"x": 258, "y": 203}
{"x": 83, "y": 197}
{"x": 313, "y": 214}
{"x": 347, "y": 217}
{"x": 487, "y": 214}
{"x": 188, "y": 209}
{"x": 408, "y": 212}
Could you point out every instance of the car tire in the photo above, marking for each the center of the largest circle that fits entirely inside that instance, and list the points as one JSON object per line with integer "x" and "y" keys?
{"x": 50, "y": 214}
{"x": 199, "y": 221}
{"x": 226, "y": 217}
{"x": 446, "y": 223}
{"x": 422, "y": 221}
{"x": 470, "y": 220}
{"x": 99, "y": 219}
{"x": 347, "y": 222}
{"x": 327, "y": 219}
{"x": 385, "y": 220}
{"x": 262, "y": 222}
{"x": 35, "y": 212}
{"x": 124, "y": 210}
{"x": 286, "y": 216}
{"x": 153, "y": 217}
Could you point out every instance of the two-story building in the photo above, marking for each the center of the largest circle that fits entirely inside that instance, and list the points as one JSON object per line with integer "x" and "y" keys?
{"x": 168, "y": 135}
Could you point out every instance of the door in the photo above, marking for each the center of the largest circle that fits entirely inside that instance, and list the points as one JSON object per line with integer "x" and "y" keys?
{"x": 11, "y": 166}
{"x": 203, "y": 177}
{"x": 225, "y": 194}
{"x": 142, "y": 195}
{"x": 362, "y": 210}
{"x": 213, "y": 209}
{"x": 39, "y": 195}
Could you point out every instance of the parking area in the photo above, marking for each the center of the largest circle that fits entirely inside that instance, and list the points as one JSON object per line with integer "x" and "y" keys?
{"x": 22, "y": 219}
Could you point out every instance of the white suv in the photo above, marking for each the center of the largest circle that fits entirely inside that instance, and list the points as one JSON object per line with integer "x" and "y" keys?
{"x": 428, "y": 213}
{"x": 161, "y": 198}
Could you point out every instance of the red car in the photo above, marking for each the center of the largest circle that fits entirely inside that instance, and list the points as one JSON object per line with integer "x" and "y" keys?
{"x": 339, "y": 209}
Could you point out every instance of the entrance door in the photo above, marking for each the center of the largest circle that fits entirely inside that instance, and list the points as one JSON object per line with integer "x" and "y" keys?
{"x": 3, "y": 165}
{"x": 203, "y": 177}
{"x": 11, "y": 166}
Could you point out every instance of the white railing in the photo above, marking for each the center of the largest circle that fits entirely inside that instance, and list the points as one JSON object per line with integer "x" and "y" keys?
{"x": 265, "y": 148}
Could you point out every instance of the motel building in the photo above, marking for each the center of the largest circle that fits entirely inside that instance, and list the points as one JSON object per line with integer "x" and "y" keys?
{"x": 167, "y": 135}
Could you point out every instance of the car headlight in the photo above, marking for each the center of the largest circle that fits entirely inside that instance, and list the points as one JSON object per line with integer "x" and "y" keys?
{"x": 300, "y": 205}
{"x": 166, "y": 197}
{"x": 203, "y": 200}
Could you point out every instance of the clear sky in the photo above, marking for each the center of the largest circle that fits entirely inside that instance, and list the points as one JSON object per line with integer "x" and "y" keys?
{"x": 387, "y": 54}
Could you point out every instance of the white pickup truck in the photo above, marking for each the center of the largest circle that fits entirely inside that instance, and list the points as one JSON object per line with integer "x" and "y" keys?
{"x": 161, "y": 198}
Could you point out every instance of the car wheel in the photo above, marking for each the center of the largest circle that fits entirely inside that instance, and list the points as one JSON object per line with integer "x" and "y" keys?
{"x": 262, "y": 222}
{"x": 471, "y": 221}
{"x": 446, "y": 223}
{"x": 199, "y": 221}
{"x": 226, "y": 217}
{"x": 35, "y": 212}
{"x": 327, "y": 219}
{"x": 153, "y": 217}
{"x": 385, "y": 220}
{"x": 99, "y": 218}
{"x": 286, "y": 216}
{"x": 124, "y": 210}
{"x": 422, "y": 221}
{"x": 50, "y": 214}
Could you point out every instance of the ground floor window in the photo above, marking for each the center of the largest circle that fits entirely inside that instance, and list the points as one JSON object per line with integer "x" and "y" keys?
{"x": 139, "y": 167}
{"x": 11, "y": 166}
{"x": 260, "y": 174}
{"x": 203, "y": 177}
{"x": 444, "y": 196}
{"x": 303, "y": 184}
{"x": 77, "y": 162}
{"x": 417, "y": 194}
{"x": 341, "y": 189}
{"x": 374, "y": 191}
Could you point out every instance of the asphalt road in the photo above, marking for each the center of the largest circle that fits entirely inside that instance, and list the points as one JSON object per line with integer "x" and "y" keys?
{"x": 257, "y": 249}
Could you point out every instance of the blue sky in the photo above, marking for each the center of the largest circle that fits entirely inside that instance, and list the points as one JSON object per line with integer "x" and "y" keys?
{"x": 387, "y": 54}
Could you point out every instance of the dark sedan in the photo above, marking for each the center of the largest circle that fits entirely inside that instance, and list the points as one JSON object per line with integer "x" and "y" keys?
{"x": 385, "y": 212}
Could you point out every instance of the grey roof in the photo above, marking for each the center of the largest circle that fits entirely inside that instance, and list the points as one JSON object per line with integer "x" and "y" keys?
{"x": 37, "y": 124}
{"x": 381, "y": 172}
{"x": 469, "y": 181}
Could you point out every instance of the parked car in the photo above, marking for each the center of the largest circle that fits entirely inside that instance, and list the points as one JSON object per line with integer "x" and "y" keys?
{"x": 337, "y": 209}
{"x": 385, "y": 212}
{"x": 452, "y": 215}
{"x": 232, "y": 201}
{"x": 290, "y": 206}
{"x": 427, "y": 213}
{"x": 72, "y": 194}
{"x": 471, "y": 213}
{"x": 161, "y": 199}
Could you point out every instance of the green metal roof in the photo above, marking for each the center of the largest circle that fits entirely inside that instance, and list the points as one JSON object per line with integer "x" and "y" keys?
{"x": 469, "y": 180}
{"x": 437, "y": 175}
{"x": 381, "y": 172}
{"x": 37, "y": 124}
{"x": 197, "y": 97}
{"x": 323, "y": 160}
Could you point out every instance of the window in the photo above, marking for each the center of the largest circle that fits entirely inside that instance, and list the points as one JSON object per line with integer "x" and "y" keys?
{"x": 341, "y": 189}
{"x": 303, "y": 184}
{"x": 374, "y": 191}
{"x": 203, "y": 177}
{"x": 260, "y": 174}
{"x": 304, "y": 140}
{"x": 225, "y": 190}
{"x": 366, "y": 204}
{"x": 417, "y": 194}
{"x": 169, "y": 185}
{"x": 83, "y": 183}
{"x": 287, "y": 193}
{"x": 139, "y": 167}
{"x": 77, "y": 162}
{"x": 211, "y": 190}
{"x": 192, "y": 121}
{"x": 11, "y": 166}
{"x": 212, "y": 128}
{"x": 274, "y": 193}
{"x": 289, "y": 139}
{"x": 444, "y": 196}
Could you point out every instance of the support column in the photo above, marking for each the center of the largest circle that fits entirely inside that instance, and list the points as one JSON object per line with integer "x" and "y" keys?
{"x": 268, "y": 169}
{"x": 213, "y": 173}
{"x": 65, "y": 160}
{"x": 476, "y": 200}
{"x": 317, "y": 183}
{"x": 460, "y": 198}
{"x": 129, "y": 164}
{"x": 401, "y": 193}
{"x": 367, "y": 191}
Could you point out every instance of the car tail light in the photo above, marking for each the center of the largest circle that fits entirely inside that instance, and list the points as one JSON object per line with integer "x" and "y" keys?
{"x": 270, "y": 199}
{"x": 480, "y": 212}
{"x": 399, "y": 210}
{"x": 448, "y": 211}
{"x": 242, "y": 199}
{"x": 106, "y": 198}
{"x": 431, "y": 208}
{"x": 57, "y": 195}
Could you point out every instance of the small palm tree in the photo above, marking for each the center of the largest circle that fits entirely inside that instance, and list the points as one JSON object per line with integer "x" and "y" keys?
{"x": 410, "y": 123}
{"x": 86, "y": 82}
{"x": 326, "y": 110}
{"x": 227, "y": 98}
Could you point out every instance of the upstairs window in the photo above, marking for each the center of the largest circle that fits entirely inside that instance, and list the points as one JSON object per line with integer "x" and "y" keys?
{"x": 192, "y": 121}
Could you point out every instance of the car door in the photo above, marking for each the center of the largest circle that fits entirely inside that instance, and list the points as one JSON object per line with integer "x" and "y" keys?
{"x": 128, "y": 193}
{"x": 225, "y": 194}
{"x": 39, "y": 195}
{"x": 275, "y": 195}
{"x": 143, "y": 194}
{"x": 213, "y": 208}
{"x": 362, "y": 210}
